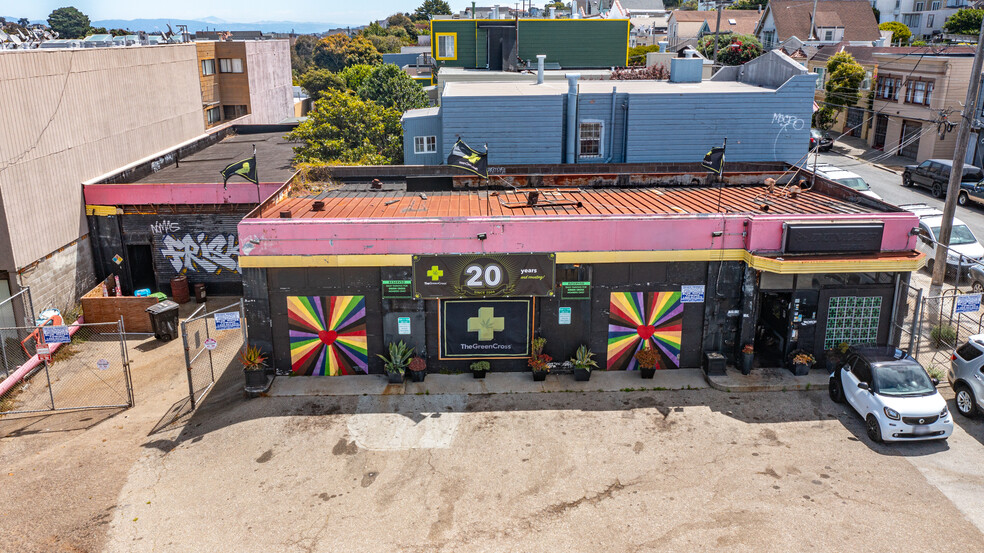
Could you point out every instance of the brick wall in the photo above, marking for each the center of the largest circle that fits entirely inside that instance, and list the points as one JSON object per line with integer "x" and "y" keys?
{"x": 62, "y": 277}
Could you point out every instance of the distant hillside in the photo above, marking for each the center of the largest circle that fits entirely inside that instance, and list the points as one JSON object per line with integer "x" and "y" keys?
{"x": 209, "y": 23}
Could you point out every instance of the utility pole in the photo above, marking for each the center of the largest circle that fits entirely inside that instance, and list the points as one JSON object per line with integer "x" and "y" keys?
{"x": 956, "y": 172}
{"x": 716, "y": 31}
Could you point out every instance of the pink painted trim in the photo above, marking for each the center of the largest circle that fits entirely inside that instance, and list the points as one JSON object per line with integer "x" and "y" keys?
{"x": 543, "y": 233}
{"x": 177, "y": 193}
{"x": 33, "y": 362}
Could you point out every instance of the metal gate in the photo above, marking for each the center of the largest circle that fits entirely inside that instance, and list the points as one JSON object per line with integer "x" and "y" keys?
{"x": 909, "y": 146}
{"x": 855, "y": 120}
{"x": 881, "y": 131}
{"x": 211, "y": 345}
{"x": 89, "y": 368}
{"x": 906, "y": 321}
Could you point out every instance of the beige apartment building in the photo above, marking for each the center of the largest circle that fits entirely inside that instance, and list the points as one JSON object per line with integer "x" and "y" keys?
{"x": 913, "y": 88}
{"x": 70, "y": 115}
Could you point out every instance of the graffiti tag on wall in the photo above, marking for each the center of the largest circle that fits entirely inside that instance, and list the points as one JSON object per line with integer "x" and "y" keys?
{"x": 202, "y": 253}
{"x": 786, "y": 123}
{"x": 163, "y": 227}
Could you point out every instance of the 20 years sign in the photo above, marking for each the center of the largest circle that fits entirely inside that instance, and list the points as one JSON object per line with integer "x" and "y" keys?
{"x": 483, "y": 276}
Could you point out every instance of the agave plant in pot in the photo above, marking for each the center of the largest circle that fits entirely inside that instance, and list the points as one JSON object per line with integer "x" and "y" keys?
{"x": 583, "y": 363}
{"x": 254, "y": 367}
{"x": 539, "y": 361}
{"x": 418, "y": 369}
{"x": 648, "y": 360}
{"x": 479, "y": 368}
{"x": 396, "y": 361}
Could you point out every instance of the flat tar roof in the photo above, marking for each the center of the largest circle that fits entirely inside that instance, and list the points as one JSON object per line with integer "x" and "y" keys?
{"x": 273, "y": 157}
{"x": 345, "y": 204}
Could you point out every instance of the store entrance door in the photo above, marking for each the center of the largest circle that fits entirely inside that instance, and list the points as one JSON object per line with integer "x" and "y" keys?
{"x": 772, "y": 333}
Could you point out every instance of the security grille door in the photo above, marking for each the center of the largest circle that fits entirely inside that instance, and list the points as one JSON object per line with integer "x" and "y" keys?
{"x": 855, "y": 119}
{"x": 881, "y": 130}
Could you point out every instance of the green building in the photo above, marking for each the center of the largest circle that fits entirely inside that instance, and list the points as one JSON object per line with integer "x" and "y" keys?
{"x": 510, "y": 44}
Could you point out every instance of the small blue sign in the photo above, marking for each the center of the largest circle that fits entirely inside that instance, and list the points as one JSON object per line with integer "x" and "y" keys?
{"x": 56, "y": 334}
{"x": 967, "y": 303}
{"x": 227, "y": 321}
{"x": 692, "y": 293}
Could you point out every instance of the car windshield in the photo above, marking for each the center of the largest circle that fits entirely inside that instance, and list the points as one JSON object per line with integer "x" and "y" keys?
{"x": 959, "y": 235}
{"x": 902, "y": 379}
{"x": 856, "y": 183}
{"x": 816, "y": 134}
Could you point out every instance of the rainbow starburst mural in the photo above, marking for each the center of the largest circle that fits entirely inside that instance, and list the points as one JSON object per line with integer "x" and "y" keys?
{"x": 637, "y": 318}
{"x": 327, "y": 335}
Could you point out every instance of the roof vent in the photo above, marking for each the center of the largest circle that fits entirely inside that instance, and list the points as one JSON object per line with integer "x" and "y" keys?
{"x": 318, "y": 206}
{"x": 285, "y": 214}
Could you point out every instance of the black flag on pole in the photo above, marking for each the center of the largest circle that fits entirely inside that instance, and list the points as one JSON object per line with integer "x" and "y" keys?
{"x": 465, "y": 157}
{"x": 714, "y": 160}
{"x": 245, "y": 169}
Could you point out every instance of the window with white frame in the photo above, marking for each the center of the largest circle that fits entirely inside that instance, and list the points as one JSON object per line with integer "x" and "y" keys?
{"x": 935, "y": 5}
{"x": 866, "y": 83}
{"x": 821, "y": 77}
{"x": 230, "y": 65}
{"x": 911, "y": 20}
{"x": 446, "y": 46}
{"x": 424, "y": 144}
{"x": 919, "y": 6}
{"x": 590, "y": 138}
{"x": 828, "y": 35}
{"x": 208, "y": 67}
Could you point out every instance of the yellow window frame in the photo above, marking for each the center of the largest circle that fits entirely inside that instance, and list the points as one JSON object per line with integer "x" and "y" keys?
{"x": 437, "y": 44}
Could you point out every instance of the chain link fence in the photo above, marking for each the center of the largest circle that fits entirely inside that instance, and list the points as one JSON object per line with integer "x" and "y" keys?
{"x": 88, "y": 370}
{"x": 212, "y": 343}
{"x": 16, "y": 324}
{"x": 942, "y": 328}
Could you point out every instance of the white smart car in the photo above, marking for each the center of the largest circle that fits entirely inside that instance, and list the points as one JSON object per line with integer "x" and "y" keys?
{"x": 893, "y": 393}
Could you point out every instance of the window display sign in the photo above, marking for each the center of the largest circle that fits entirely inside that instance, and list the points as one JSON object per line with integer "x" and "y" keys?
{"x": 575, "y": 290}
{"x": 486, "y": 328}
{"x": 483, "y": 276}
{"x": 393, "y": 289}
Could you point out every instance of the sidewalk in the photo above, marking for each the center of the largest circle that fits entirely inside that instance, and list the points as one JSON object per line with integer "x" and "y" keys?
{"x": 858, "y": 149}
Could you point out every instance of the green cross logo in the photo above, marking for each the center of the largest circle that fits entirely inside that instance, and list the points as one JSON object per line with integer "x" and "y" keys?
{"x": 486, "y": 324}
{"x": 435, "y": 273}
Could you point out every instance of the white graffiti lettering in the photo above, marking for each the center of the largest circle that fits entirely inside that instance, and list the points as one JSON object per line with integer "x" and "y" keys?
{"x": 160, "y": 227}
{"x": 201, "y": 253}
{"x": 788, "y": 121}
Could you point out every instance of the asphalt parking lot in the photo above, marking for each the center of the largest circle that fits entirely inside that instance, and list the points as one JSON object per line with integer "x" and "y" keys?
{"x": 684, "y": 470}
{"x": 625, "y": 471}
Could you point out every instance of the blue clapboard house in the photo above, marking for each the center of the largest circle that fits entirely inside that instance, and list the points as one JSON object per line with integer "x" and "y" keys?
{"x": 763, "y": 108}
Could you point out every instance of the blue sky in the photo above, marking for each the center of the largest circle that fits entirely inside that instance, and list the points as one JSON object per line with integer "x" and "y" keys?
{"x": 320, "y": 11}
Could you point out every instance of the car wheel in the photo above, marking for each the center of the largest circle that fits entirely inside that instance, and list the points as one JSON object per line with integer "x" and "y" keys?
{"x": 962, "y": 198}
{"x": 835, "y": 389}
{"x": 937, "y": 190}
{"x": 929, "y": 265}
{"x": 977, "y": 286}
{"x": 966, "y": 403}
{"x": 906, "y": 180}
{"x": 874, "y": 430}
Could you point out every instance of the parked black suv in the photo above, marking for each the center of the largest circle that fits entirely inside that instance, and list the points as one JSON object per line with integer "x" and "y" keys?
{"x": 934, "y": 174}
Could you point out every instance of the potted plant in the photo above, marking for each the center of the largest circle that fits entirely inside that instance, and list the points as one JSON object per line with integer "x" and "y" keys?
{"x": 747, "y": 356}
{"x": 647, "y": 359}
{"x": 802, "y": 362}
{"x": 835, "y": 355}
{"x": 254, "y": 367}
{"x": 418, "y": 369}
{"x": 539, "y": 361}
{"x": 479, "y": 368}
{"x": 397, "y": 361}
{"x": 583, "y": 363}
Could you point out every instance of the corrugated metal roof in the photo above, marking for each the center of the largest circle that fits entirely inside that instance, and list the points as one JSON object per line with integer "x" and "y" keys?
{"x": 641, "y": 201}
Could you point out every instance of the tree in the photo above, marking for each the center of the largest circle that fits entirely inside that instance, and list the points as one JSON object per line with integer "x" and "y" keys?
{"x": 844, "y": 84}
{"x": 429, "y": 8}
{"x": 329, "y": 53}
{"x": 360, "y": 50}
{"x": 390, "y": 87}
{"x": 346, "y": 130}
{"x": 965, "y": 22}
{"x": 689, "y": 5}
{"x": 733, "y": 49}
{"x": 97, "y": 31}
{"x": 68, "y": 22}
{"x": 637, "y": 54}
{"x": 319, "y": 81}
{"x": 386, "y": 44}
{"x": 398, "y": 20}
{"x": 120, "y": 32}
{"x": 900, "y": 32}
{"x": 748, "y": 4}
{"x": 824, "y": 118}
{"x": 23, "y": 22}
{"x": 301, "y": 53}
{"x": 355, "y": 75}
{"x": 877, "y": 13}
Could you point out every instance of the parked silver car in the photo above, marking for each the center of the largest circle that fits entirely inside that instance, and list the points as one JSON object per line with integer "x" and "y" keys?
{"x": 966, "y": 376}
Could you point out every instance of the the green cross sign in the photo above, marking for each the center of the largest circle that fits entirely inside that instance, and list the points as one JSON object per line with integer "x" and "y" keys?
{"x": 486, "y": 324}
{"x": 435, "y": 273}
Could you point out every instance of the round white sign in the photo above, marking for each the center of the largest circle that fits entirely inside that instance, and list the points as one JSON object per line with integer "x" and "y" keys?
{"x": 211, "y": 343}
{"x": 102, "y": 364}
